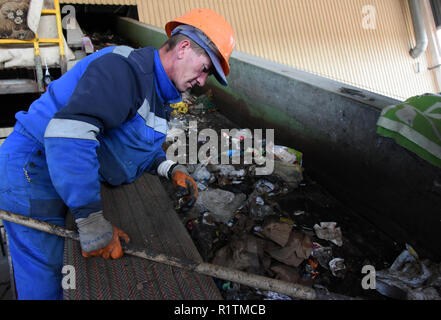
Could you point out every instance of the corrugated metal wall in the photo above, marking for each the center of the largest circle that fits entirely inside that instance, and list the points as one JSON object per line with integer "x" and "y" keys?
{"x": 101, "y": 2}
{"x": 324, "y": 37}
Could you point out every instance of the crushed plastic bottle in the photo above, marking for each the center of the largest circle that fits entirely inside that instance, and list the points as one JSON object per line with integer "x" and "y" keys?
{"x": 287, "y": 154}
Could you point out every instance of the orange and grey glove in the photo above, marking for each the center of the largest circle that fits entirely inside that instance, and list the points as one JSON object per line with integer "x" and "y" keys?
{"x": 186, "y": 188}
{"x": 98, "y": 238}
{"x": 184, "y": 184}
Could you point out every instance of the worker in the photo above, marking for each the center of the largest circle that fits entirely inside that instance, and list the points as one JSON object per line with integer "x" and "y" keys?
{"x": 105, "y": 120}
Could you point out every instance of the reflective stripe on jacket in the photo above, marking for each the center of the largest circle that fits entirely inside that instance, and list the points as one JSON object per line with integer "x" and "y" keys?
{"x": 102, "y": 120}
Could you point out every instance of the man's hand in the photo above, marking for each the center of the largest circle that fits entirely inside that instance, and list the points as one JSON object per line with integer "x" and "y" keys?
{"x": 98, "y": 238}
{"x": 186, "y": 187}
{"x": 113, "y": 249}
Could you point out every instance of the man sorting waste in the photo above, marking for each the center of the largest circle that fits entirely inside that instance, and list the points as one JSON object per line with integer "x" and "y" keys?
{"x": 104, "y": 120}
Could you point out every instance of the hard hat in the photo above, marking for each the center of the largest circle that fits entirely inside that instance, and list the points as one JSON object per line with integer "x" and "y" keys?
{"x": 215, "y": 28}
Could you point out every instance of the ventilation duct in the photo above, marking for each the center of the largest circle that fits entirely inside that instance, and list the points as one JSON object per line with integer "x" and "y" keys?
{"x": 418, "y": 26}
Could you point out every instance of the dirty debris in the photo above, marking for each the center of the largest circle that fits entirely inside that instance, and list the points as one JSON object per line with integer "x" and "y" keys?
{"x": 286, "y": 154}
{"x": 337, "y": 267}
{"x": 263, "y": 186}
{"x": 257, "y": 208}
{"x": 272, "y": 224}
{"x": 277, "y": 231}
{"x": 329, "y": 231}
{"x": 297, "y": 249}
{"x": 322, "y": 254}
{"x": 220, "y": 203}
{"x": 289, "y": 173}
{"x": 271, "y": 295}
{"x": 244, "y": 253}
{"x": 410, "y": 278}
{"x": 201, "y": 174}
{"x": 180, "y": 107}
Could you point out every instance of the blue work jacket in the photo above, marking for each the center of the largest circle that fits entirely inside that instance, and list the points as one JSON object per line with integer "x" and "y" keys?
{"x": 104, "y": 120}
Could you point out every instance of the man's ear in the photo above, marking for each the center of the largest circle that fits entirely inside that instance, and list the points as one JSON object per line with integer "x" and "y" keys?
{"x": 182, "y": 48}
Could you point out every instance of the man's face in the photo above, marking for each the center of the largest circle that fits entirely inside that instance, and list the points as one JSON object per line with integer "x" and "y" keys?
{"x": 191, "y": 69}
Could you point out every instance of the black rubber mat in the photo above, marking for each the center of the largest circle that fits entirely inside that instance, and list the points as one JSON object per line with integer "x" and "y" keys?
{"x": 144, "y": 211}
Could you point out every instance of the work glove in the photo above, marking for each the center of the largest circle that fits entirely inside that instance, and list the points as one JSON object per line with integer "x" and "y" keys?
{"x": 98, "y": 238}
{"x": 185, "y": 186}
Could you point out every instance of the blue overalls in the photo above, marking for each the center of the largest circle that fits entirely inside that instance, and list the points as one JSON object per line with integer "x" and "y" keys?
{"x": 104, "y": 120}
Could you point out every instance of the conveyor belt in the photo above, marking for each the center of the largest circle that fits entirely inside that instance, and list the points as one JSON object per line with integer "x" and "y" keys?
{"x": 144, "y": 211}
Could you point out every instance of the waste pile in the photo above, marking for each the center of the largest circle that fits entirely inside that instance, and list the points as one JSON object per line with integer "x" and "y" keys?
{"x": 283, "y": 225}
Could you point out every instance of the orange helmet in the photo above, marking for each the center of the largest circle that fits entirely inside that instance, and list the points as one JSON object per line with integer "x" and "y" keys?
{"x": 215, "y": 28}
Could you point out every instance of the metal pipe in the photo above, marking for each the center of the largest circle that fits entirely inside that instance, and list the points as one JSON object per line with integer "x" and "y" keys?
{"x": 288, "y": 288}
{"x": 256, "y": 281}
{"x": 419, "y": 29}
